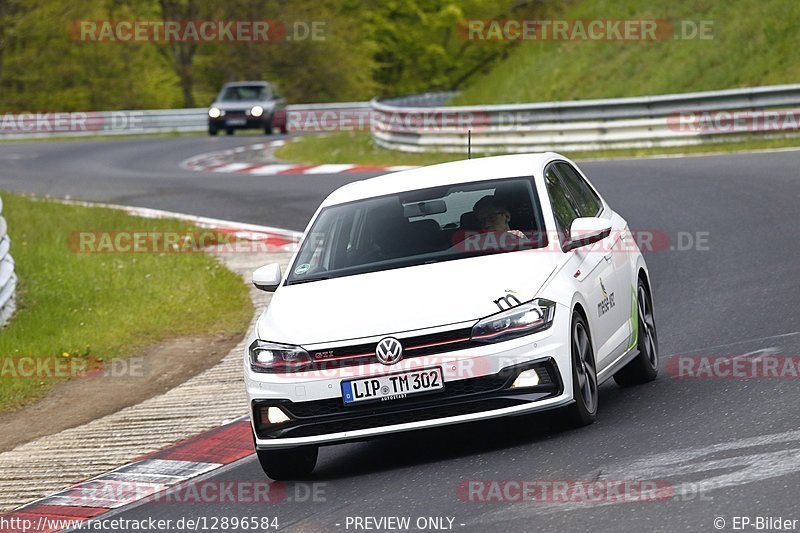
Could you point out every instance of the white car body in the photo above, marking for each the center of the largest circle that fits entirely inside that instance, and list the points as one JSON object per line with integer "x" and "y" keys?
{"x": 450, "y": 295}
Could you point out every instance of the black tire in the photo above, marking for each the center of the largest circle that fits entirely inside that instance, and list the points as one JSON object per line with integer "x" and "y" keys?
{"x": 268, "y": 126}
{"x": 212, "y": 130}
{"x": 584, "y": 374}
{"x": 229, "y": 131}
{"x": 282, "y": 465}
{"x": 644, "y": 367}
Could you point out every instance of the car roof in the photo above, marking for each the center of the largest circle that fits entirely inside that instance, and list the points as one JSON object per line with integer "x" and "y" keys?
{"x": 464, "y": 171}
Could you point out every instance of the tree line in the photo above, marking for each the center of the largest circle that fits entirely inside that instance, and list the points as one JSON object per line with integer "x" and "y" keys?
{"x": 68, "y": 56}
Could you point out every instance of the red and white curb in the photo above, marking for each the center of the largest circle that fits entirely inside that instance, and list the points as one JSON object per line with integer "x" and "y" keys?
{"x": 225, "y": 161}
{"x": 139, "y": 480}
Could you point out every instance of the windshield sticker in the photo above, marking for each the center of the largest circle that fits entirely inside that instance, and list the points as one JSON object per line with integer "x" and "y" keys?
{"x": 302, "y": 269}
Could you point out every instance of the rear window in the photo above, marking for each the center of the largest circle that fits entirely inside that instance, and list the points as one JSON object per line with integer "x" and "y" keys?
{"x": 423, "y": 226}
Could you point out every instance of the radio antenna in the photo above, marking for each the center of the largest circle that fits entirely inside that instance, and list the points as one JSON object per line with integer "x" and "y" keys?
{"x": 469, "y": 144}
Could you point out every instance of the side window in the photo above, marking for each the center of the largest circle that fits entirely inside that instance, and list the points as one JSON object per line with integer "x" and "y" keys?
{"x": 587, "y": 202}
{"x": 563, "y": 208}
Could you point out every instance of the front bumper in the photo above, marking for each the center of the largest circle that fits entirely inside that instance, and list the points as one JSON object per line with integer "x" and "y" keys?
{"x": 236, "y": 121}
{"x": 317, "y": 414}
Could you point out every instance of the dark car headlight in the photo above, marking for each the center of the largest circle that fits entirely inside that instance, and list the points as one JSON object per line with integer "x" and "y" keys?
{"x": 530, "y": 317}
{"x": 271, "y": 357}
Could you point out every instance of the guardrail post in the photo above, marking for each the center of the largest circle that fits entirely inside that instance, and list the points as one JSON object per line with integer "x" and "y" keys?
{"x": 8, "y": 280}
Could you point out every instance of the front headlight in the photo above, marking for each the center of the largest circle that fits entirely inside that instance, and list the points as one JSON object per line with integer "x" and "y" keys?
{"x": 214, "y": 112}
{"x": 257, "y": 111}
{"x": 530, "y": 317}
{"x": 271, "y": 357}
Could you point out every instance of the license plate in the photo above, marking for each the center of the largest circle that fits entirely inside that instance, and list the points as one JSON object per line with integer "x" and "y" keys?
{"x": 236, "y": 122}
{"x": 393, "y": 386}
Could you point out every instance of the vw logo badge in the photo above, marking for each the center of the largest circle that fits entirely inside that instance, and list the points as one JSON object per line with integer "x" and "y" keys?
{"x": 389, "y": 351}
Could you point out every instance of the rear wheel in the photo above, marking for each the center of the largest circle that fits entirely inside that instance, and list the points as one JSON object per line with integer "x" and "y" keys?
{"x": 584, "y": 374}
{"x": 644, "y": 367}
{"x": 282, "y": 465}
{"x": 229, "y": 131}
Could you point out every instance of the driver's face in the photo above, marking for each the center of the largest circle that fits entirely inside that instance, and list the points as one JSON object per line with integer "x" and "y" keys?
{"x": 495, "y": 219}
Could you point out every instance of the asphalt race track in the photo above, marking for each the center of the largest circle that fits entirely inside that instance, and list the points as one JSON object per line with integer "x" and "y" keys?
{"x": 734, "y": 294}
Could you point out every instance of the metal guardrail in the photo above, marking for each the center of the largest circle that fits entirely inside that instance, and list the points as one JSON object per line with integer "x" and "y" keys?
{"x": 126, "y": 122}
{"x": 8, "y": 280}
{"x": 638, "y": 122}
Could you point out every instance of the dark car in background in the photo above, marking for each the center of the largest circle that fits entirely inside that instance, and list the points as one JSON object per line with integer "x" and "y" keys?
{"x": 247, "y": 105}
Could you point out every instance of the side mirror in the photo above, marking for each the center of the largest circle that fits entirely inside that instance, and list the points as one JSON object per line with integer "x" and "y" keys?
{"x": 587, "y": 230}
{"x": 268, "y": 277}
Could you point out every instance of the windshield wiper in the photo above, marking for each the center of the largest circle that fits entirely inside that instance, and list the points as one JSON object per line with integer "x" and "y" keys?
{"x": 306, "y": 280}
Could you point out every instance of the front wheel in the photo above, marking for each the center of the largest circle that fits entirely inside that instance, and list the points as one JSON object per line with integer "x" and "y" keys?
{"x": 212, "y": 130}
{"x": 644, "y": 367}
{"x": 584, "y": 374}
{"x": 268, "y": 127}
{"x": 291, "y": 463}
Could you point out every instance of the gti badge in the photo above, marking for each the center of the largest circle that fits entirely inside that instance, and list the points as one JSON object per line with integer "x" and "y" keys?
{"x": 389, "y": 351}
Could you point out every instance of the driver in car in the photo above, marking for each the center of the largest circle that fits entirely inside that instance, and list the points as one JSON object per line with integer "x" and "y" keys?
{"x": 494, "y": 216}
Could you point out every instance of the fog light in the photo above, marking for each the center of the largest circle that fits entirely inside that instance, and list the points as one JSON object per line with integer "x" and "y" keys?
{"x": 528, "y": 378}
{"x": 276, "y": 416}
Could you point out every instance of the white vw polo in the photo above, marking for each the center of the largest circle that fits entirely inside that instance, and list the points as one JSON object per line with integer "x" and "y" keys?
{"x": 446, "y": 294}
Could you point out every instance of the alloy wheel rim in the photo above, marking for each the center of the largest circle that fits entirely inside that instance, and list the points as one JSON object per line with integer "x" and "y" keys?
{"x": 647, "y": 326}
{"x": 584, "y": 366}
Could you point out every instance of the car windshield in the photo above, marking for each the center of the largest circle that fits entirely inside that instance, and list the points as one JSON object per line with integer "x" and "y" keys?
{"x": 245, "y": 92}
{"x": 421, "y": 226}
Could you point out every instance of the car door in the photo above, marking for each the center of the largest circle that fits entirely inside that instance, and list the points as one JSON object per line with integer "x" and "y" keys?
{"x": 588, "y": 201}
{"x": 594, "y": 265}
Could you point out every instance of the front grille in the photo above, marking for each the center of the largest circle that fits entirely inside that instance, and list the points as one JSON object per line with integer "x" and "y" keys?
{"x": 465, "y": 396}
{"x": 417, "y": 346}
{"x": 464, "y": 387}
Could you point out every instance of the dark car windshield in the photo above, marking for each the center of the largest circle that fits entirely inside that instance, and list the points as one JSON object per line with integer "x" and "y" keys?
{"x": 422, "y": 226}
{"x": 245, "y": 92}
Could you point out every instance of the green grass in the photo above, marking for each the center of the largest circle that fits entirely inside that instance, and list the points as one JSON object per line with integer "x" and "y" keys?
{"x": 755, "y": 43}
{"x": 105, "y": 305}
{"x": 358, "y": 148}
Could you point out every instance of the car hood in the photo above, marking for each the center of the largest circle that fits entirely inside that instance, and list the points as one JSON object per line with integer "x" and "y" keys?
{"x": 403, "y": 299}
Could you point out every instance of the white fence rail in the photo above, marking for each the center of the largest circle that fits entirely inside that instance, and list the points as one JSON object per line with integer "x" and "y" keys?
{"x": 126, "y": 122}
{"x": 8, "y": 280}
{"x": 641, "y": 122}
